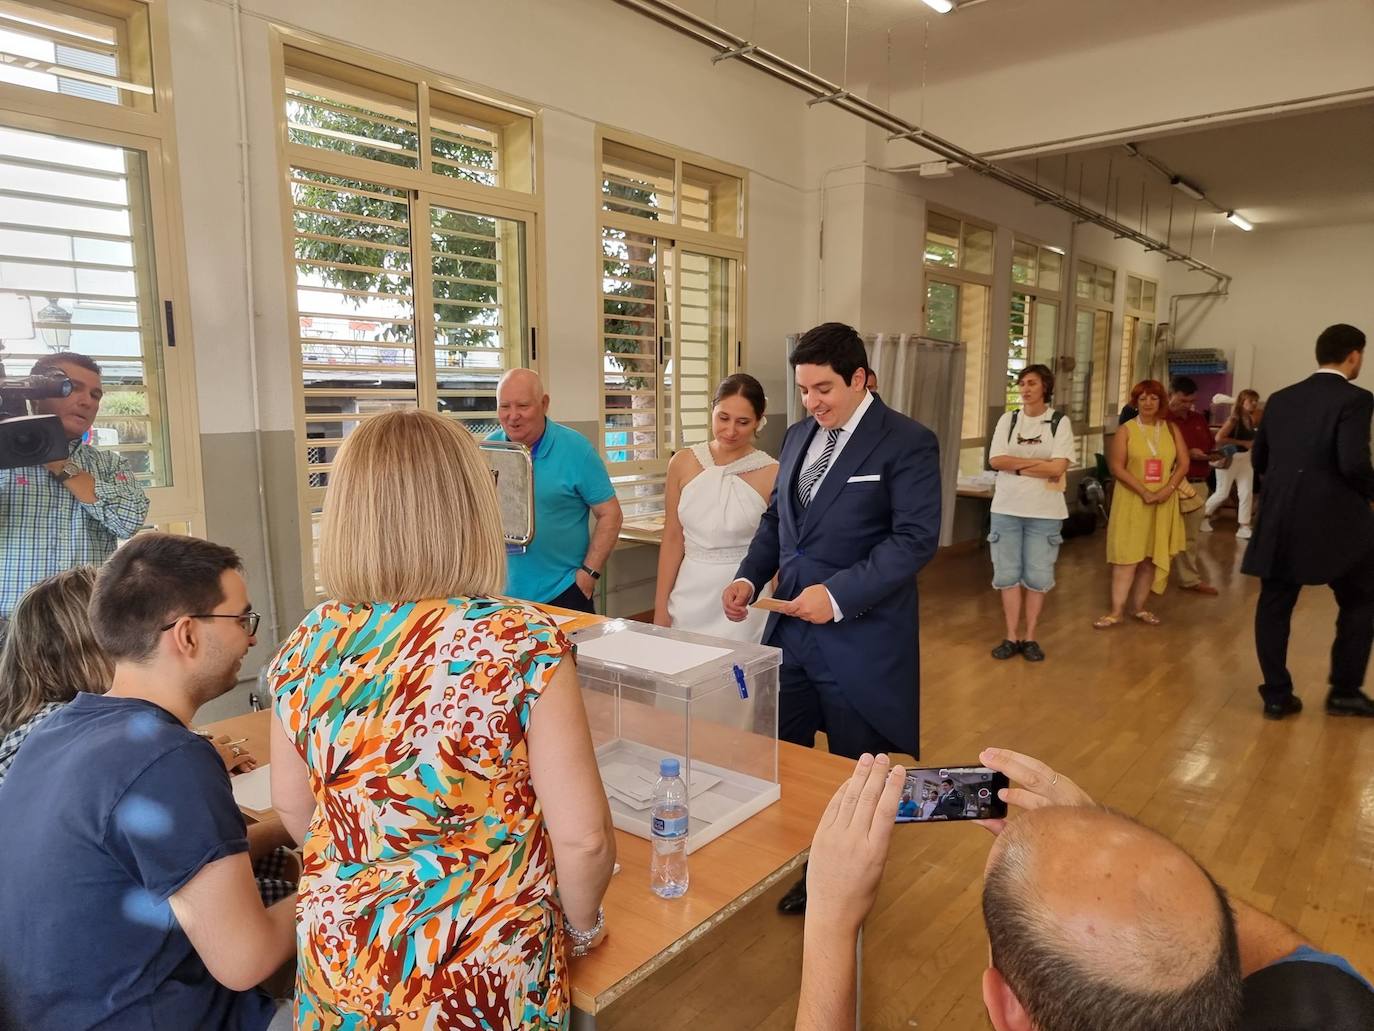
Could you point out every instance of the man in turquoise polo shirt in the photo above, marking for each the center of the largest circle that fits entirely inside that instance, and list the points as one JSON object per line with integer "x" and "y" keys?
{"x": 565, "y": 559}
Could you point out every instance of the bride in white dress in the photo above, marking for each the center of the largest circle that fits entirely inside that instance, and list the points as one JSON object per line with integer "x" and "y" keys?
{"x": 716, "y": 493}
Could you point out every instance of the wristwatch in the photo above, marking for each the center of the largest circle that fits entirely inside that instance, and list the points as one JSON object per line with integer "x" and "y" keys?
{"x": 590, "y": 572}
{"x": 582, "y": 940}
{"x": 67, "y": 471}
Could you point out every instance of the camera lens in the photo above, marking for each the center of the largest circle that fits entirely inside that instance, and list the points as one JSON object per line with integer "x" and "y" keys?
{"x": 29, "y": 445}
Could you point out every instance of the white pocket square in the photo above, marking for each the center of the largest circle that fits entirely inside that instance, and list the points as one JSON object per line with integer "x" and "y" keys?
{"x": 874, "y": 478}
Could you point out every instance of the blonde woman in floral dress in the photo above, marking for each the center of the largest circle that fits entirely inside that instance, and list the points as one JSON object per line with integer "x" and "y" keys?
{"x": 432, "y": 752}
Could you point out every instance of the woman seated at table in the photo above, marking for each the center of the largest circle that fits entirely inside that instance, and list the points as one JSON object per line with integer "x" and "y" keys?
{"x": 432, "y": 752}
{"x": 50, "y": 657}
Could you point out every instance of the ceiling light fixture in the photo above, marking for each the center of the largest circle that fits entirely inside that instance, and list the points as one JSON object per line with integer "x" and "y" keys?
{"x": 939, "y": 6}
{"x": 1184, "y": 186}
{"x": 1238, "y": 221}
{"x": 1057, "y": 250}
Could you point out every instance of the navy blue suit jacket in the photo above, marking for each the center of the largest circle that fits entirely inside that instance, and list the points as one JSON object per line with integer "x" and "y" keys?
{"x": 865, "y": 540}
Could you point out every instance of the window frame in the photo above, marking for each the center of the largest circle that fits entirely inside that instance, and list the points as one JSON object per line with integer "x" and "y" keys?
{"x": 150, "y": 128}
{"x": 958, "y": 276}
{"x": 1133, "y": 317}
{"x": 426, "y": 189}
{"x": 1096, "y": 419}
{"x": 679, "y": 238}
{"x": 1036, "y": 293}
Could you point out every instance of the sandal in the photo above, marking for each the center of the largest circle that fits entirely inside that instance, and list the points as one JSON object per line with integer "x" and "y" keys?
{"x": 1148, "y": 618}
{"x": 1106, "y": 622}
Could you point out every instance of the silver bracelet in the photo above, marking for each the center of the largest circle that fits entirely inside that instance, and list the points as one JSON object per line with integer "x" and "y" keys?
{"x": 582, "y": 940}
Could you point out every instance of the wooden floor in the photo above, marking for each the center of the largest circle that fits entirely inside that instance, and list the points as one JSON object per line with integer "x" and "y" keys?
{"x": 1161, "y": 723}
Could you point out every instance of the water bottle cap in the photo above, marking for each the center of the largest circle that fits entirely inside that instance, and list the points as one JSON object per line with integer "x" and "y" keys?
{"x": 668, "y": 768}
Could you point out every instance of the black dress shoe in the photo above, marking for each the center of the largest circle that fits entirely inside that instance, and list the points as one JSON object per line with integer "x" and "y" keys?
{"x": 1006, "y": 649}
{"x": 1357, "y": 704}
{"x": 1032, "y": 652}
{"x": 795, "y": 900}
{"x": 1290, "y": 706}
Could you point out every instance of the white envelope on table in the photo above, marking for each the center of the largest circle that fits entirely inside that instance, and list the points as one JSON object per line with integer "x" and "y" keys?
{"x": 873, "y": 478}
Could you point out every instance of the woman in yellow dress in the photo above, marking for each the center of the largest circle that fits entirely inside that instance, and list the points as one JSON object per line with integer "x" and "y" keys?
{"x": 1145, "y": 530}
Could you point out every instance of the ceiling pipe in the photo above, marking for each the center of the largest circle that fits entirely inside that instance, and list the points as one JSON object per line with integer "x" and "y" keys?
{"x": 822, "y": 90}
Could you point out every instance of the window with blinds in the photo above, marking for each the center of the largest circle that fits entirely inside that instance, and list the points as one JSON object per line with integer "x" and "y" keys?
{"x": 96, "y": 53}
{"x": 1137, "y": 335}
{"x": 87, "y": 262}
{"x": 958, "y": 259}
{"x": 76, "y": 255}
{"x": 410, "y": 243}
{"x": 670, "y": 252}
{"x": 1033, "y": 327}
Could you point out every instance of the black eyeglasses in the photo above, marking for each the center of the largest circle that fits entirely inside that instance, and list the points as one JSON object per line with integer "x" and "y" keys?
{"x": 248, "y": 620}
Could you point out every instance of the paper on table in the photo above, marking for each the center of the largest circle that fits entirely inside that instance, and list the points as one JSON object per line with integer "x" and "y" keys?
{"x": 712, "y": 807}
{"x": 253, "y": 790}
{"x": 560, "y": 620}
{"x": 647, "y": 652}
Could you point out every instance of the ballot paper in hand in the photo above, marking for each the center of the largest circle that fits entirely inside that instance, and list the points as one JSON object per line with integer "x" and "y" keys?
{"x": 253, "y": 790}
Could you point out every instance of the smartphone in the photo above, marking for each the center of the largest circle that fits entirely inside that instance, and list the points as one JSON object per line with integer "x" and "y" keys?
{"x": 943, "y": 793}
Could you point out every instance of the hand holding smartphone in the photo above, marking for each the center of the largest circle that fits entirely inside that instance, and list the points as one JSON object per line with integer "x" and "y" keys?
{"x": 944, "y": 793}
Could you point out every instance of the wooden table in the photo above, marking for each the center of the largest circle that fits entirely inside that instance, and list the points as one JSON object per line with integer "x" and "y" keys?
{"x": 644, "y": 931}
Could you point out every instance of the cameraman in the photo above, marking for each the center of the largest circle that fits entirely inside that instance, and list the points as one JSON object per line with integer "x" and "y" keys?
{"x": 70, "y": 512}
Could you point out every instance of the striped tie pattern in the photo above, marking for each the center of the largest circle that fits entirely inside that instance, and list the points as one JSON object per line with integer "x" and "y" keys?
{"x": 812, "y": 474}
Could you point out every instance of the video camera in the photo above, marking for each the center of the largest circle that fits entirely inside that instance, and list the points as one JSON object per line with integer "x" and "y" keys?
{"x": 30, "y": 439}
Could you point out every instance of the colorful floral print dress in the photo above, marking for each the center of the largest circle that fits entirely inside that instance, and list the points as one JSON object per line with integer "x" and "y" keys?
{"x": 428, "y": 897}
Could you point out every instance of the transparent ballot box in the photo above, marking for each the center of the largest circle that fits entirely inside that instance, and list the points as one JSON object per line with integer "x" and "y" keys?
{"x": 653, "y": 693}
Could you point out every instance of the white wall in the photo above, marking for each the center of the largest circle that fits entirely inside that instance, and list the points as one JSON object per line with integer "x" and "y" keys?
{"x": 1015, "y": 75}
{"x": 1289, "y": 285}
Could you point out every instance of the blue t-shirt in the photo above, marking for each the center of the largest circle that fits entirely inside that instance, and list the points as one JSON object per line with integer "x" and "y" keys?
{"x": 112, "y": 806}
{"x": 569, "y": 478}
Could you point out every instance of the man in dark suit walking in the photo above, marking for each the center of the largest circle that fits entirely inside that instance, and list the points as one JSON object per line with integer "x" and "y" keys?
{"x": 1316, "y": 525}
{"x": 854, "y": 516}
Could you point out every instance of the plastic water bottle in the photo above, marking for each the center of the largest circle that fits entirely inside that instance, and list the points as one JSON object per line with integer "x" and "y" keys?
{"x": 668, "y": 863}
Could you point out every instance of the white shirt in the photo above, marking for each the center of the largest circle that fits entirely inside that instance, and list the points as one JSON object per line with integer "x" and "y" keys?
{"x": 1030, "y": 496}
{"x": 813, "y": 453}
{"x": 818, "y": 442}
{"x": 1336, "y": 372}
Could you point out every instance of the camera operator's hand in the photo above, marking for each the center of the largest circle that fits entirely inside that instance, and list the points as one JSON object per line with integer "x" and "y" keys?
{"x": 1037, "y": 785}
{"x": 849, "y": 849}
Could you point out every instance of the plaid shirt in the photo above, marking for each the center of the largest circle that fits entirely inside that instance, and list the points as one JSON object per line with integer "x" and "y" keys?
{"x": 45, "y": 530}
{"x": 9, "y": 744}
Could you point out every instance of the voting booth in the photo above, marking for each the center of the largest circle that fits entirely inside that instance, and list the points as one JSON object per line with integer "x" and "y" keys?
{"x": 652, "y": 692}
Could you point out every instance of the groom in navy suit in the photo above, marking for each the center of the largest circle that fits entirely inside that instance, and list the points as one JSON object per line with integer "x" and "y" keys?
{"x": 854, "y": 516}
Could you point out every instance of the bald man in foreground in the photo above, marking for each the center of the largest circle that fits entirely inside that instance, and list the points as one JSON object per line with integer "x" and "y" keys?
{"x": 566, "y": 558}
{"x": 1094, "y": 922}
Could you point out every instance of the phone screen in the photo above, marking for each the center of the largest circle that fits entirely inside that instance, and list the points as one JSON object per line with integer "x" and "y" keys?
{"x": 952, "y": 793}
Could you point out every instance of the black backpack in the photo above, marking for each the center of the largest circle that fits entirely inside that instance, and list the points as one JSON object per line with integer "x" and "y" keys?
{"x": 1056, "y": 417}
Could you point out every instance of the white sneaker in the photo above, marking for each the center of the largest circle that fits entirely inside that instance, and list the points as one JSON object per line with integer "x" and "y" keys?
{"x": 1243, "y": 534}
{"x": 1206, "y": 526}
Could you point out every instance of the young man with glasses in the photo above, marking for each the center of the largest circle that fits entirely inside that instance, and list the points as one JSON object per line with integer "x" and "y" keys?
{"x": 132, "y": 901}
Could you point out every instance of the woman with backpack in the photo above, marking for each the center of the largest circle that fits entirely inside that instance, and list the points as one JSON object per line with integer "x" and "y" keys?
{"x": 1031, "y": 450}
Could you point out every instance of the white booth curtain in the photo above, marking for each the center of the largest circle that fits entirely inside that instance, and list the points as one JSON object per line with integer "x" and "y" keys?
{"x": 922, "y": 378}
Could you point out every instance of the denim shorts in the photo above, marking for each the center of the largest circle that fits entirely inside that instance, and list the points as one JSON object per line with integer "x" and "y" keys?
{"x": 1024, "y": 551}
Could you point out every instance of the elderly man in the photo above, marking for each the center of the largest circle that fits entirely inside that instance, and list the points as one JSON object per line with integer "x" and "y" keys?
{"x": 1093, "y": 921}
{"x": 565, "y": 559}
{"x": 73, "y": 511}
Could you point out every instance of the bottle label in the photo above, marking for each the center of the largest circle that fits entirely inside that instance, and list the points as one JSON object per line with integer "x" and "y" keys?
{"x": 674, "y": 827}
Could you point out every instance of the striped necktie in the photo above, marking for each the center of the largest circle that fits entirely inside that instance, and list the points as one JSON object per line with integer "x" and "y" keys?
{"x": 812, "y": 474}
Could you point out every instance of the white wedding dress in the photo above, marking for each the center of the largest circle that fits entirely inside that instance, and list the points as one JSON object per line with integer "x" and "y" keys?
{"x": 719, "y": 513}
